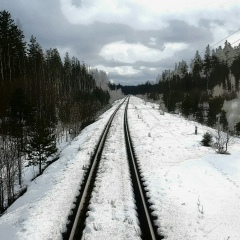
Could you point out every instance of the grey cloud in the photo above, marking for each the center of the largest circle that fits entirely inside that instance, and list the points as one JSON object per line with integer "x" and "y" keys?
{"x": 45, "y": 21}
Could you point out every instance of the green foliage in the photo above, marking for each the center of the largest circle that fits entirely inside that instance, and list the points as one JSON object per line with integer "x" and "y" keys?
{"x": 207, "y": 139}
{"x": 41, "y": 143}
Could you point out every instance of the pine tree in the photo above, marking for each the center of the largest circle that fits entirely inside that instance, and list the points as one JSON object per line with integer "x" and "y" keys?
{"x": 35, "y": 71}
{"x": 197, "y": 68}
{"x": 207, "y": 139}
{"x": 12, "y": 57}
{"x": 12, "y": 48}
{"x": 42, "y": 143}
{"x": 207, "y": 65}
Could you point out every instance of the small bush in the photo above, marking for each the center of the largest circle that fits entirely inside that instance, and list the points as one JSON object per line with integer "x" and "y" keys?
{"x": 207, "y": 139}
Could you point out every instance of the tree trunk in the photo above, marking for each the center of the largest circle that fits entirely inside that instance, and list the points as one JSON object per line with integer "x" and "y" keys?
{"x": 40, "y": 166}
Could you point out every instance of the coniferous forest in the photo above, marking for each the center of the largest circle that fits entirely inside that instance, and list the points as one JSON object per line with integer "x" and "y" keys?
{"x": 198, "y": 90}
{"x": 201, "y": 89}
{"x": 43, "y": 100}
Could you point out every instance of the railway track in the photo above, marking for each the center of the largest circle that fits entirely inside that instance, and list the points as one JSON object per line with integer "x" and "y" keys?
{"x": 149, "y": 229}
{"x": 146, "y": 221}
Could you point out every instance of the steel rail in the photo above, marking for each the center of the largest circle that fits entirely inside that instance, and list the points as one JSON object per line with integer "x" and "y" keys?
{"x": 149, "y": 231}
{"x": 79, "y": 220}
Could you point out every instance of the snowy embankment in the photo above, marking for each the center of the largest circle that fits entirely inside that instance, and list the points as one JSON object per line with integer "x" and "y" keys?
{"x": 112, "y": 212}
{"x": 42, "y": 212}
{"x": 195, "y": 192}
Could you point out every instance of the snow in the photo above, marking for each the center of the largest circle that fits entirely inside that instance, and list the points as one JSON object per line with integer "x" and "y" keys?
{"x": 193, "y": 190}
{"x": 112, "y": 212}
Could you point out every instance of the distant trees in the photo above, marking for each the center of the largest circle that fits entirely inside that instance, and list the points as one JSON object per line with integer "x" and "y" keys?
{"x": 201, "y": 92}
{"x": 146, "y": 88}
{"x": 200, "y": 89}
{"x": 213, "y": 79}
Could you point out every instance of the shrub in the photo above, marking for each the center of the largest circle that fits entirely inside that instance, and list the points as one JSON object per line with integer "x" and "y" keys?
{"x": 207, "y": 139}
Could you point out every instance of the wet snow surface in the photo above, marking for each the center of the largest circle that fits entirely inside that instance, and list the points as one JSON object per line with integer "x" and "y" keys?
{"x": 194, "y": 191}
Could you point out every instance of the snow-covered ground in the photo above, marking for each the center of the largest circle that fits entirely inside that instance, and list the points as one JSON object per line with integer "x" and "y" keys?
{"x": 112, "y": 212}
{"x": 194, "y": 191}
{"x": 42, "y": 212}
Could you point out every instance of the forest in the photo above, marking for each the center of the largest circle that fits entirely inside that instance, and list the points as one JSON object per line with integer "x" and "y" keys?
{"x": 198, "y": 90}
{"x": 43, "y": 101}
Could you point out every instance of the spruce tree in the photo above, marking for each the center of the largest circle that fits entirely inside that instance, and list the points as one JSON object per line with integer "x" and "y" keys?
{"x": 207, "y": 65}
{"x": 41, "y": 144}
{"x": 207, "y": 139}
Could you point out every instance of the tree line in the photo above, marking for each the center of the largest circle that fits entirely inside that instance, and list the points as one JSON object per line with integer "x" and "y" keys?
{"x": 200, "y": 88}
{"x": 42, "y": 100}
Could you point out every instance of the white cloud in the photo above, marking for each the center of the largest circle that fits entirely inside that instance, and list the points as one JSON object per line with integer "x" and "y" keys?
{"x": 131, "y": 53}
{"x": 149, "y": 69}
{"x": 122, "y": 70}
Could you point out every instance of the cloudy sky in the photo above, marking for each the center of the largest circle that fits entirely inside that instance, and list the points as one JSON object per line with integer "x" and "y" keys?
{"x": 132, "y": 40}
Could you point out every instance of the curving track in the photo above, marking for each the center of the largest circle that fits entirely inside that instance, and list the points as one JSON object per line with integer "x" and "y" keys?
{"x": 146, "y": 220}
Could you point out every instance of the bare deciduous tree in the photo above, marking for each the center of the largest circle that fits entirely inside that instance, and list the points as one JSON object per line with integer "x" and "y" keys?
{"x": 222, "y": 139}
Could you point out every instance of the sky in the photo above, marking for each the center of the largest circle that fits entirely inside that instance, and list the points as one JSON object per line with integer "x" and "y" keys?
{"x": 132, "y": 40}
